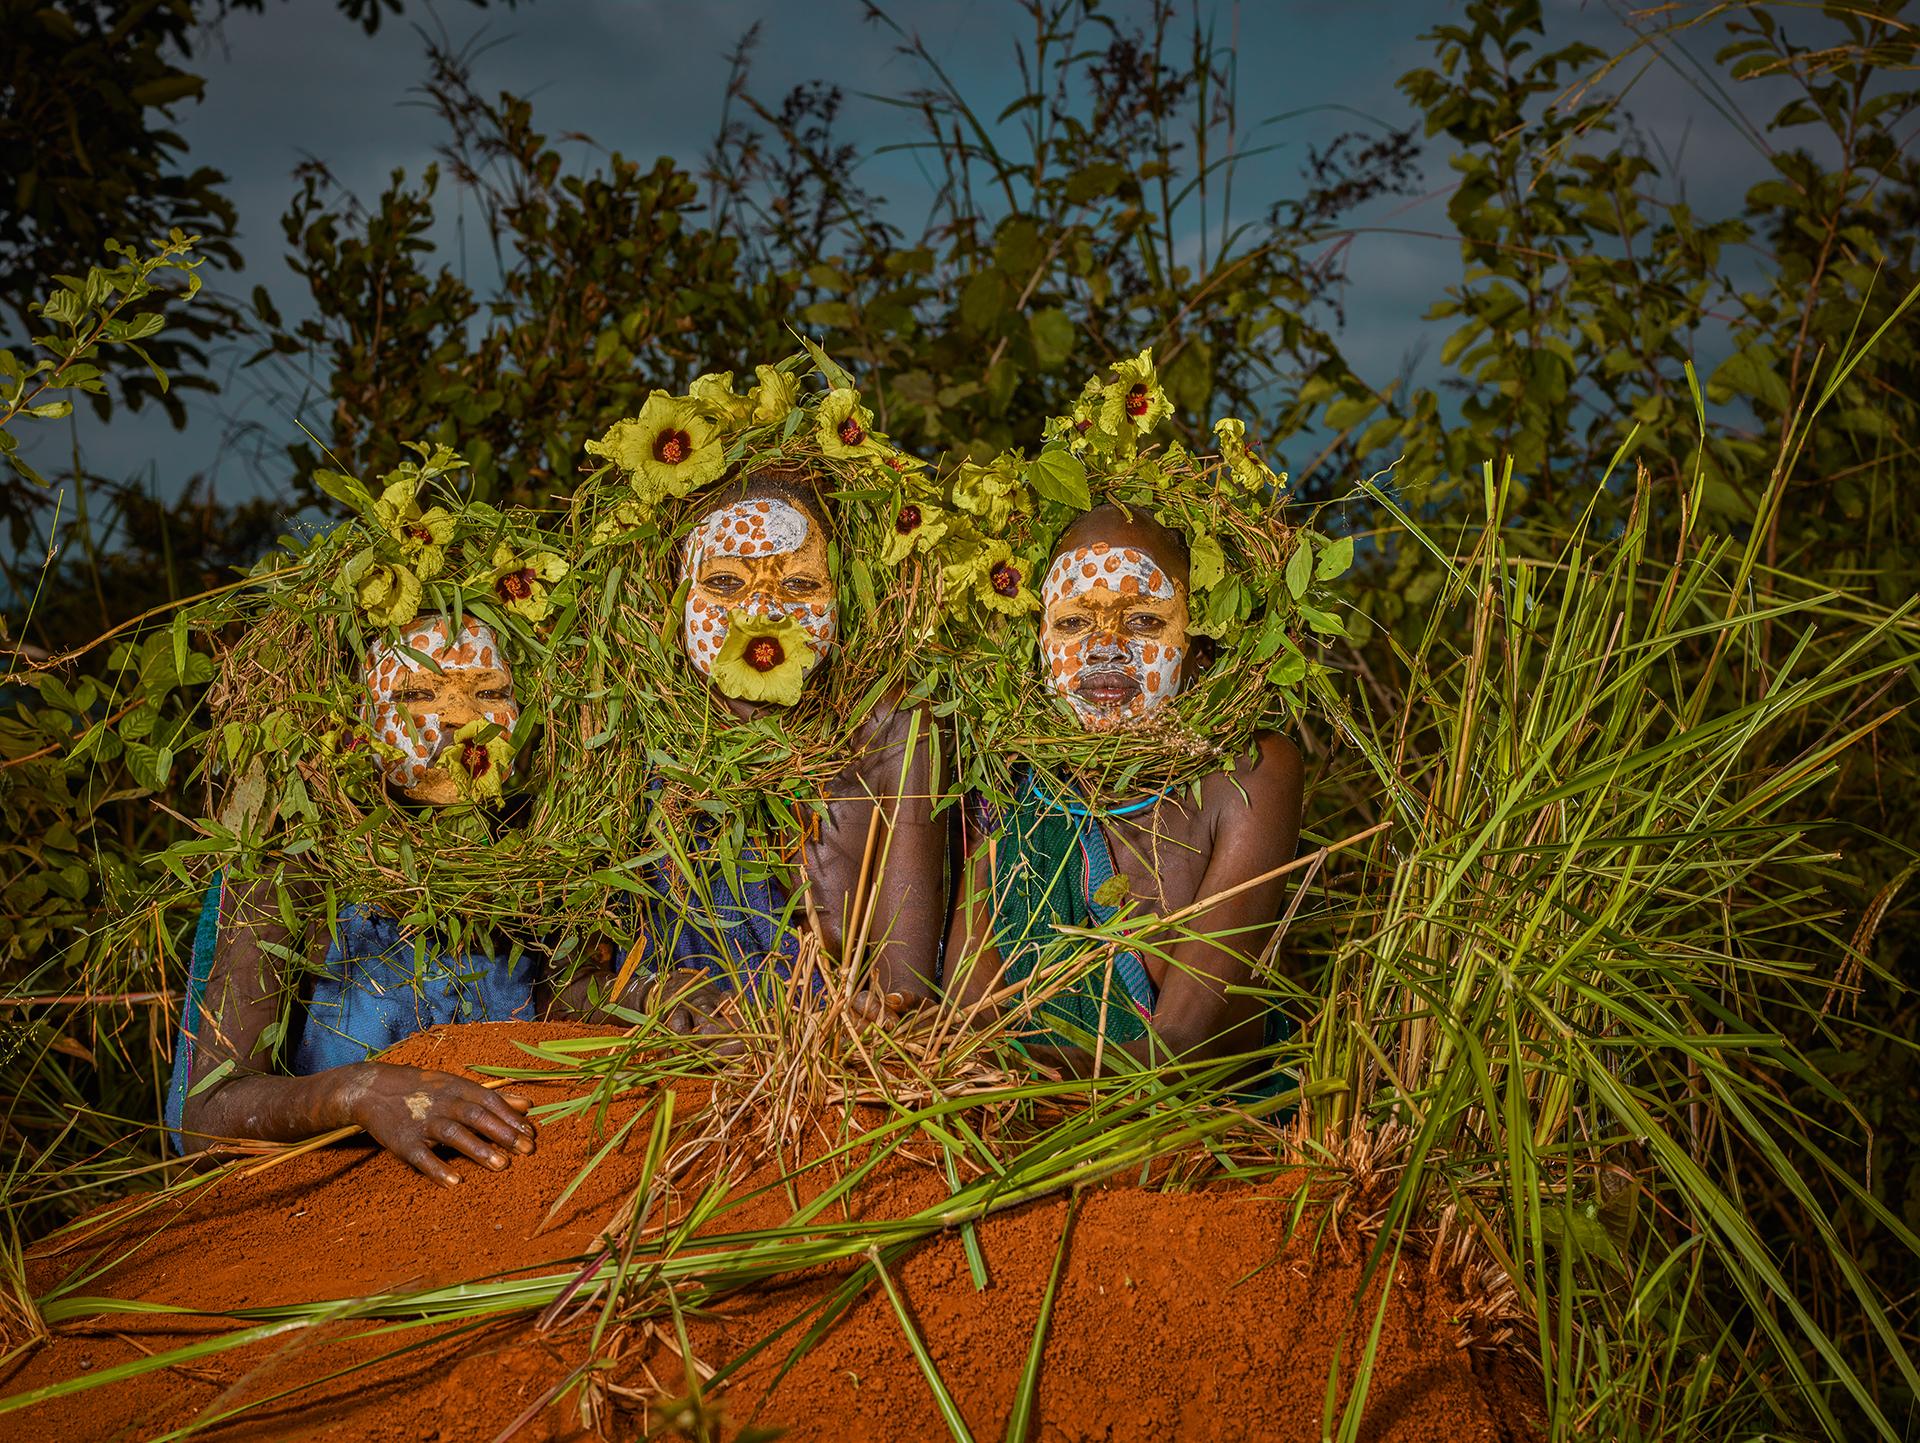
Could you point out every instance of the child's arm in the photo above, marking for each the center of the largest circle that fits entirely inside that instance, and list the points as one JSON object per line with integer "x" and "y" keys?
{"x": 231, "y": 1091}
{"x": 1205, "y": 1010}
{"x": 906, "y": 894}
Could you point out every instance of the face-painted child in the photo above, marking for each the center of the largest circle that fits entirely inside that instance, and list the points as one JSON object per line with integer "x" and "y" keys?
{"x": 762, "y": 555}
{"x": 419, "y": 710}
{"x": 1114, "y": 626}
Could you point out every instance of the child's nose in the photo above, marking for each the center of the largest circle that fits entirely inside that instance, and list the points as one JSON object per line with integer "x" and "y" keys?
{"x": 457, "y": 709}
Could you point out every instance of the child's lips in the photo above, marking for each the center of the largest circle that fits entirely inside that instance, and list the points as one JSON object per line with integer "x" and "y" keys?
{"x": 1108, "y": 687}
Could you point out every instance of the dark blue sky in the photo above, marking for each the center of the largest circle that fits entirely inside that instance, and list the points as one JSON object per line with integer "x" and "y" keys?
{"x": 647, "y": 77}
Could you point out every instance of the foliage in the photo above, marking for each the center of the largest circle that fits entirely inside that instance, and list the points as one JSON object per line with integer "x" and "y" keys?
{"x": 1628, "y": 963}
{"x": 614, "y": 282}
{"x": 77, "y": 756}
{"x": 800, "y": 421}
{"x": 88, "y": 95}
{"x": 1574, "y": 971}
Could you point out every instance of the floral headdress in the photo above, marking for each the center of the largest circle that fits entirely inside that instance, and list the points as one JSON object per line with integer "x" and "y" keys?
{"x": 1256, "y": 587}
{"x": 295, "y": 770}
{"x": 656, "y": 475}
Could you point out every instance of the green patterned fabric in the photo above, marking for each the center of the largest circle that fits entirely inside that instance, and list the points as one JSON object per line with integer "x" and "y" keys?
{"x": 1049, "y": 864}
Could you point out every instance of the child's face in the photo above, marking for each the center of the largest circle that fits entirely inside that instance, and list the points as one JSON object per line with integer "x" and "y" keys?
{"x": 765, "y": 557}
{"x": 1114, "y": 632}
{"x": 417, "y": 709}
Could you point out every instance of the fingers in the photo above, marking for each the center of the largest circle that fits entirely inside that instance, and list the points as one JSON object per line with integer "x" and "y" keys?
{"x": 463, "y": 1139}
{"x": 498, "y": 1125}
{"x": 421, "y": 1159}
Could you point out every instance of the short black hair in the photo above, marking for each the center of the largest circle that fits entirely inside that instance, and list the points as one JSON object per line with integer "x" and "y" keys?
{"x": 1168, "y": 546}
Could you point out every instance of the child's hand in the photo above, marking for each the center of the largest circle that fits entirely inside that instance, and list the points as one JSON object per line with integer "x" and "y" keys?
{"x": 689, "y": 1002}
{"x": 889, "y": 1009}
{"x": 409, "y": 1111}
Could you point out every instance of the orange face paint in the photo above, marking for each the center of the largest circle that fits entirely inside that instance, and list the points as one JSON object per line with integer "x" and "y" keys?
{"x": 1114, "y": 632}
{"x": 765, "y": 557}
{"x": 417, "y": 709}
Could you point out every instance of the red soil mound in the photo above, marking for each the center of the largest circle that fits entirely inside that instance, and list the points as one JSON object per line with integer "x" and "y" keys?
{"x": 1179, "y": 1315}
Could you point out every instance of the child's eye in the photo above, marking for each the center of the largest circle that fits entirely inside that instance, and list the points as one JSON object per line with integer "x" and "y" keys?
{"x": 1071, "y": 624}
{"x": 411, "y": 697}
{"x": 801, "y": 585}
{"x": 498, "y": 694}
{"x": 726, "y": 583}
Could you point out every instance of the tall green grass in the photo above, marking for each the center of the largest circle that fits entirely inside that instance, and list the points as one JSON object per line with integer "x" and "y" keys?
{"x": 1555, "y": 999}
{"x": 1569, "y": 922}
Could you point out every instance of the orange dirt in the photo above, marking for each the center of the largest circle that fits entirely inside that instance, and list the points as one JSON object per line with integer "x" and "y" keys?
{"x": 1180, "y": 1315}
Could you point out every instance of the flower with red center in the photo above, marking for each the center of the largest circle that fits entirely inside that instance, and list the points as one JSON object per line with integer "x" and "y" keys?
{"x": 423, "y": 535}
{"x": 992, "y": 575}
{"x": 1132, "y": 404}
{"x": 763, "y": 653}
{"x": 917, "y": 527}
{"x": 479, "y": 758}
{"x": 669, "y": 449}
{"x": 524, "y": 582}
{"x": 844, "y": 429}
{"x": 763, "y": 659}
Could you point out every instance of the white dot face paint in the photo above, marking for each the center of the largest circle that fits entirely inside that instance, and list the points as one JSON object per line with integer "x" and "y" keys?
{"x": 1114, "y": 633}
{"x": 762, "y": 556}
{"x": 416, "y": 709}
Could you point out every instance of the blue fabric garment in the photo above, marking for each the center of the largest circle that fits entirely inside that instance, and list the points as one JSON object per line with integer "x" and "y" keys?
{"x": 738, "y": 930}
{"x": 368, "y": 995}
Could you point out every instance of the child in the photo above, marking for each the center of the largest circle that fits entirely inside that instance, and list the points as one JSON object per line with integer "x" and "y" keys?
{"x": 1114, "y": 634}
{"x": 441, "y": 721}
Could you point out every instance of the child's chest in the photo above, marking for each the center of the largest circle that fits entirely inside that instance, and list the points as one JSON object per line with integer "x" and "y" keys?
{"x": 1163, "y": 853}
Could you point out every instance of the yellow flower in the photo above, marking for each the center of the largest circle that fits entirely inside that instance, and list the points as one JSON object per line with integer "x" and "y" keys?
{"x": 622, "y": 521}
{"x": 845, "y": 427}
{"x": 763, "y": 659}
{"x": 988, "y": 572}
{"x": 1002, "y": 586}
{"x": 386, "y": 591}
{"x": 524, "y": 583}
{"x": 668, "y": 450}
{"x": 992, "y": 492}
{"x": 775, "y": 394}
{"x": 1132, "y": 403}
{"x": 1247, "y": 470}
{"x": 713, "y": 393}
{"x": 478, "y": 761}
{"x": 917, "y": 527}
{"x": 422, "y": 535}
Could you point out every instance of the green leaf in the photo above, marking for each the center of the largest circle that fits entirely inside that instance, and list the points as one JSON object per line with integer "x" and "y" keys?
{"x": 1058, "y": 475}
{"x": 1300, "y": 566}
{"x": 345, "y": 489}
{"x": 1323, "y": 622}
{"x": 212, "y": 1077}
{"x": 1053, "y": 336}
{"x": 1335, "y": 559}
{"x": 1288, "y": 669}
{"x": 168, "y": 89}
{"x": 1207, "y": 563}
{"x": 1092, "y": 181}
